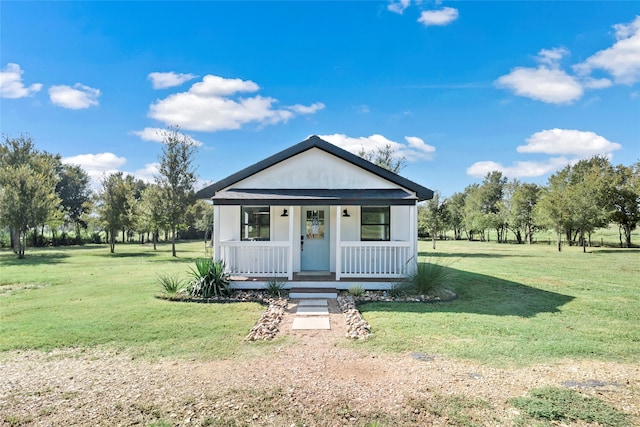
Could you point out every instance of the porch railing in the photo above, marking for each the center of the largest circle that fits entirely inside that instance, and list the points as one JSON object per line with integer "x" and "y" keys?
{"x": 266, "y": 259}
{"x": 374, "y": 259}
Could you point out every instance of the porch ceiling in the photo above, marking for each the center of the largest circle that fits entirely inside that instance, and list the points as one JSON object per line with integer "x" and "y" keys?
{"x": 321, "y": 197}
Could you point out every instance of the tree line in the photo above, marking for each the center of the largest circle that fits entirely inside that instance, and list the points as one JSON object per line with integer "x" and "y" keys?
{"x": 576, "y": 201}
{"x": 38, "y": 191}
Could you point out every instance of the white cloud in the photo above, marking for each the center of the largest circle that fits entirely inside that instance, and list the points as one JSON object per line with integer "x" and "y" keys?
{"x": 414, "y": 149}
{"x": 564, "y": 142}
{"x": 157, "y": 135}
{"x": 100, "y": 165}
{"x": 77, "y": 97}
{"x": 148, "y": 173}
{"x": 441, "y": 17}
{"x": 549, "y": 83}
{"x": 568, "y": 141}
{"x": 208, "y": 106}
{"x": 592, "y": 83}
{"x": 518, "y": 169}
{"x": 219, "y": 86}
{"x": 423, "y": 149}
{"x": 398, "y": 6}
{"x": 170, "y": 79}
{"x": 304, "y": 109}
{"x": 552, "y": 57}
{"x": 11, "y": 85}
{"x": 543, "y": 84}
{"x": 97, "y": 165}
{"x": 622, "y": 60}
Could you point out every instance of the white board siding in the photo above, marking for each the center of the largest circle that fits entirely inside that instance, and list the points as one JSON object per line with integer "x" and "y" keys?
{"x": 229, "y": 223}
{"x": 400, "y": 223}
{"x": 314, "y": 169}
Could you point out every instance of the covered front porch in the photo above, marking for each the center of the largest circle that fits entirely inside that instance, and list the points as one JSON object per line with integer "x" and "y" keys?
{"x": 317, "y": 243}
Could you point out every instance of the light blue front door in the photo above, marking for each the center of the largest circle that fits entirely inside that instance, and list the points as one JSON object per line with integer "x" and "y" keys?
{"x": 314, "y": 255}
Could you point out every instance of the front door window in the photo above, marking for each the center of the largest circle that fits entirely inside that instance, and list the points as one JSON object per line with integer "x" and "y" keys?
{"x": 315, "y": 224}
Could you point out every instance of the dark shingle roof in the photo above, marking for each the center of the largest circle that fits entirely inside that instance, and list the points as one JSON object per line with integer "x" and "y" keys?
{"x": 285, "y": 197}
{"x": 314, "y": 141}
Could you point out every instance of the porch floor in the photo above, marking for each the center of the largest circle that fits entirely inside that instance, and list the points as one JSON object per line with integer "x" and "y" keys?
{"x": 315, "y": 277}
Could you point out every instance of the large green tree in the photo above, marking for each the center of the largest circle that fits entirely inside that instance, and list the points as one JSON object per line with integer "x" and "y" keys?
{"x": 177, "y": 178}
{"x": 625, "y": 198}
{"x": 153, "y": 212}
{"x": 75, "y": 196}
{"x": 115, "y": 204}
{"x": 432, "y": 217}
{"x": 519, "y": 203}
{"x": 385, "y": 157}
{"x": 491, "y": 193}
{"x": 27, "y": 188}
{"x": 577, "y": 199}
{"x": 474, "y": 220}
{"x": 552, "y": 208}
{"x": 455, "y": 217}
{"x": 590, "y": 196}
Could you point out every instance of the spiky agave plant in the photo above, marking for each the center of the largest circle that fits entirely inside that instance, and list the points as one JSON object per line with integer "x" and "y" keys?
{"x": 209, "y": 278}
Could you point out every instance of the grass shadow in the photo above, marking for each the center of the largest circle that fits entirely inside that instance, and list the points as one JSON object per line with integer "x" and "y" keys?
{"x": 487, "y": 295}
{"x": 8, "y": 258}
{"x": 436, "y": 254}
{"x": 621, "y": 251}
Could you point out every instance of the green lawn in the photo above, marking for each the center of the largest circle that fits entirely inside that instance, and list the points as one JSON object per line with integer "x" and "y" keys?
{"x": 521, "y": 304}
{"x": 517, "y": 305}
{"x": 85, "y": 297}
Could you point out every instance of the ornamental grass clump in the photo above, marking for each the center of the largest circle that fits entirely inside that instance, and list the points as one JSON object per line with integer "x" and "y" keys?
{"x": 275, "y": 287}
{"x": 210, "y": 278}
{"x": 171, "y": 285}
{"x": 356, "y": 291}
{"x": 399, "y": 290}
{"x": 427, "y": 277}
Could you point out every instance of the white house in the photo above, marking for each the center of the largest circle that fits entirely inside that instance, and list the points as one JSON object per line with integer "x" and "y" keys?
{"x": 314, "y": 210}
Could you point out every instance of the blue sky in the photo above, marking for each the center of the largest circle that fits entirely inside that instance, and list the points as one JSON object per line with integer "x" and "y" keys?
{"x": 458, "y": 88}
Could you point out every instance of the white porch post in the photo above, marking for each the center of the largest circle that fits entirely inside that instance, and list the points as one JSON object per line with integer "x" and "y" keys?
{"x": 338, "y": 241}
{"x": 413, "y": 229}
{"x": 216, "y": 232}
{"x": 292, "y": 242}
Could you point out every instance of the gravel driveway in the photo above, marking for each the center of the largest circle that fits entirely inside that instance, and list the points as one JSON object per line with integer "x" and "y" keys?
{"x": 310, "y": 380}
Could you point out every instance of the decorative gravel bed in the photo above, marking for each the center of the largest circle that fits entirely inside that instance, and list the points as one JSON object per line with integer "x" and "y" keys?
{"x": 268, "y": 325}
{"x": 258, "y": 296}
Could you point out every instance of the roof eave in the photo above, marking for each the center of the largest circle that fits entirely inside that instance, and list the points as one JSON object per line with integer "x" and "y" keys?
{"x": 315, "y": 141}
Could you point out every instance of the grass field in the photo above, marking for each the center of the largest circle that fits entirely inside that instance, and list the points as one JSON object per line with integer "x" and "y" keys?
{"x": 517, "y": 305}
{"x": 84, "y": 297}
{"x": 521, "y": 304}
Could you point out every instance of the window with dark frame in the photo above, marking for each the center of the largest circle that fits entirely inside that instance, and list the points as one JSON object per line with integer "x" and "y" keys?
{"x": 255, "y": 223}
{"x": 375, "y": 223}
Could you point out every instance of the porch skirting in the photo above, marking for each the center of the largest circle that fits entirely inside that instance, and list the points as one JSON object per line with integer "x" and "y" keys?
{"x": 326, "y": 280}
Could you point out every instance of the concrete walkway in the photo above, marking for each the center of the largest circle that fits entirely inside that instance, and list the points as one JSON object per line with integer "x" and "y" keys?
{"x": 312, "y": 314}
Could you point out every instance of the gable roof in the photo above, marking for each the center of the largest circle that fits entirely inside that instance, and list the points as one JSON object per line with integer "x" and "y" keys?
{"x": 422, "y": 193}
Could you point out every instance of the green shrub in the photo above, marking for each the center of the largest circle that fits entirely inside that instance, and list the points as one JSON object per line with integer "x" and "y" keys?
{"x": 399, "y": 290}
{"x": 356, "y": 290}
{"x": 560, "y": 404}
{"x": 275, "y": 287}
{"x": 170, "y": 284}
{"x": 427, "y": 277}
{"x": 210, "y": 278}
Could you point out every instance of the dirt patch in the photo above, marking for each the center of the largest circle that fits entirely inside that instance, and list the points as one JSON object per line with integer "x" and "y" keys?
{"x": 312, "y": 382}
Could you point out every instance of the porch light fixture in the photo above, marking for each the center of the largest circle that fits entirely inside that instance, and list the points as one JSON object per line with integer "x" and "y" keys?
{"x": 345, "y": 214}
{"x": 284, "y": 213}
